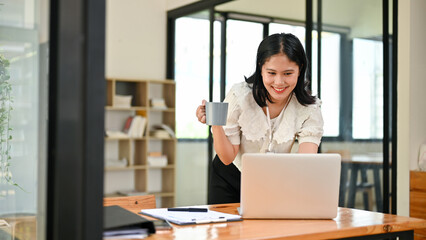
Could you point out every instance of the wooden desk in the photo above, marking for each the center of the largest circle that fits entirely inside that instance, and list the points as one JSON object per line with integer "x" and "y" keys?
{"x": 418, "y": 199}
{"x": 350, "y": 223}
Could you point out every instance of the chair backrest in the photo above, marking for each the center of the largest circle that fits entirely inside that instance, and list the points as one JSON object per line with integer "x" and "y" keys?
{"x": 132, "y": 203}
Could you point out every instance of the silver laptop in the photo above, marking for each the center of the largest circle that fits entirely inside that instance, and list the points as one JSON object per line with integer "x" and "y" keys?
{"x": 290, "y": 185}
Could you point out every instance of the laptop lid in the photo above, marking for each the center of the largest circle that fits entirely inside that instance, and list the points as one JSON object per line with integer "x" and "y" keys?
{"x": 290, "y": 185}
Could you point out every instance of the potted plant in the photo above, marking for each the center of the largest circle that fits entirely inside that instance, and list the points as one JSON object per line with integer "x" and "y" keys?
{"x": 5, "y": 129}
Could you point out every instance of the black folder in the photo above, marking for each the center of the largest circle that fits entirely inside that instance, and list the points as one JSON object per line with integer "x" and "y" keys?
{"x": 117, "y": 218}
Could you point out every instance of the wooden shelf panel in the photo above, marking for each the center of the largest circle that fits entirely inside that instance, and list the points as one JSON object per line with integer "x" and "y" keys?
{"x": 171, "y": 166}
{"x": 157, "y": 194}
{"x": 124, "y": 138}
{"x": 161, "y": 139}
{"x": 168, "y": 81}
{"x": 163, "y": 194}
{"x": 127, "y": 168}
{"x": 134, "y": 108}
{"x": 161, "y": 109}
{"x": 138, "y": 167}
{"x": 154, "y": 81}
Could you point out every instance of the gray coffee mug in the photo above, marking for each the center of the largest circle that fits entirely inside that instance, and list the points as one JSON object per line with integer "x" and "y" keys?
{"x": 216, "y": 113}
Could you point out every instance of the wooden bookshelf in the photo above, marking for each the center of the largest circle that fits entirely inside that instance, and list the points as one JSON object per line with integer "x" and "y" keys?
{"x": 136, "y": 149}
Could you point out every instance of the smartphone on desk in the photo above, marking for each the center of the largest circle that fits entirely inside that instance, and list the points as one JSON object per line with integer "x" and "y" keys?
{"x": 160, "y": 224}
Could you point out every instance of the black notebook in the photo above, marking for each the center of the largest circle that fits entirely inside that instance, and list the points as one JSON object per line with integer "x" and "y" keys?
{"x": 118, "y": 218}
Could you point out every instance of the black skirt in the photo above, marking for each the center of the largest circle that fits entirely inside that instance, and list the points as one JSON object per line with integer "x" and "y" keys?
{"x": 224, "y": 183}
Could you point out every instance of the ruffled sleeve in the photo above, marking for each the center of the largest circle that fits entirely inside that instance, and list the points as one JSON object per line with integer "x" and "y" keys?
{"x": 232, "y": 128}
{"x": 311, "y": 129}
{"x": 245, "y": 118}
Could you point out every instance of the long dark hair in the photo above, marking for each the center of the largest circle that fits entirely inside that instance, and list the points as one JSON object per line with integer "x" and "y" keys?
{"x": 288, "y": 44}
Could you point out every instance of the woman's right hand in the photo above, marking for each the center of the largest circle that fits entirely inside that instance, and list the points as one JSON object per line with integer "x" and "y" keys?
{"x": 201, "y": 112}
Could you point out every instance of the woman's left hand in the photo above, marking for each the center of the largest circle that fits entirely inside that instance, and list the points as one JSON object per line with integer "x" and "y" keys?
{"x": 201, "y": 112}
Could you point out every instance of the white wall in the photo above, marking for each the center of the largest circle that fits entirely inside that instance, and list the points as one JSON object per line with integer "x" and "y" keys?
{"x": 417, "y": 79}
{"x": 135, "y": 48}
{"x": 411, "y": 96}
{"x": 136, "y": 39}
{"x": 172, "y": 4}
{"x": 403, "y": 131}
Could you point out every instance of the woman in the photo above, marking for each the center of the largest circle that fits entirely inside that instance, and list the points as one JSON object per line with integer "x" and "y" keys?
{"x": 266, "y": 113}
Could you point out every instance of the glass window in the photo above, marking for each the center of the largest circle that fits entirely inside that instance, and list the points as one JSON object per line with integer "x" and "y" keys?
{"x": 298, "y": 31}
{"x": 330, "y": 79}
{"x": 23, "y": 111}
{"x": 330, "y": 72}
{"x": 191, "y": 74}
{"x": 242, "y": 41}
{"x": 361, "y": 96}
{"x": 367, "y": 112}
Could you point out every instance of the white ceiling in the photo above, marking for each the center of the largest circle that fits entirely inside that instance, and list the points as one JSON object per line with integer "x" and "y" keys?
{"x": 363, "y": 17}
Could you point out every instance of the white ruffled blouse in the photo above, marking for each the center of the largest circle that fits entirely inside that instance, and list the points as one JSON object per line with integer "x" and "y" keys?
{"x": 248, "y": 127}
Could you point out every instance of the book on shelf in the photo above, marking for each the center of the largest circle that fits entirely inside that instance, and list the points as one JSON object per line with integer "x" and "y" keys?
{"x": 127, "y": 124}
{"x": 116, "y": 134}
{"x": 162, "y": 131}
{"x": 156, "y": 159}
{"x": 158, "y": 103}
{"x": 135, "y": 126}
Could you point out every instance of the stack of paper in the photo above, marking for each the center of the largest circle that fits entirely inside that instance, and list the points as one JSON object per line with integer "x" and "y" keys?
{"x": 156, "y": 159}
{"x": 162, "y": 131}
{"x": 158, "y": 103}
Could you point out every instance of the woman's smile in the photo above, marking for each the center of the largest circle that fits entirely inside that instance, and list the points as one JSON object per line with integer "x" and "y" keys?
{"x": 279, "y": 89}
